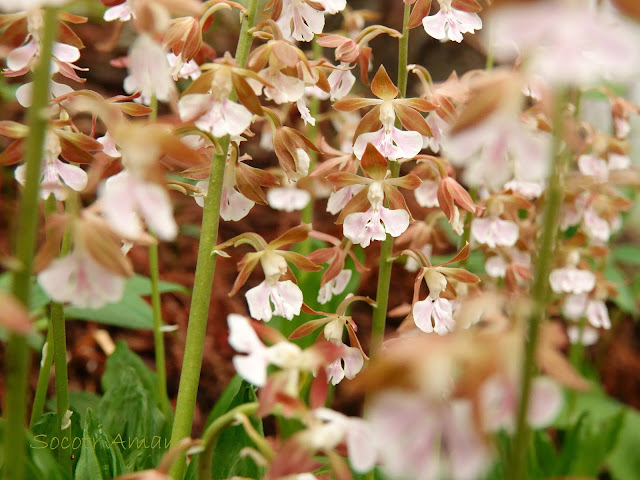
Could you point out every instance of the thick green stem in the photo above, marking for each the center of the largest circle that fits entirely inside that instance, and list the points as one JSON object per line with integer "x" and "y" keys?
{"x": 540, "y": 291}
{"x": 205, "y": 269}
{"x": 384, "y": 269}
{"x": 17, "y": 353}
{"x": 212, "y": 433}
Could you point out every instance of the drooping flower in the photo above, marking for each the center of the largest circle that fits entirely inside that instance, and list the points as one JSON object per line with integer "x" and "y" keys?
{"x": 125, "y": 199}
{"x": 572, "y": 280}
{"x": 450, "y": 23}
{"x": 434, "y": 315}
{"x": 566, "y": 43}
{"x": 56, "y": 175}
{"x": 494, "y": 231}
{"x": 93, "y": 273}
{"x": 149, "y": 71}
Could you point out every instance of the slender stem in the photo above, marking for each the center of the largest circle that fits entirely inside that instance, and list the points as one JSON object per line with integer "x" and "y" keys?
{"x": 540, "y": 290}
{"x": 384, "y": 269}
{"x": 59, "y": 344}
{"x": 156, "y": 304}
{"x": 44, "y": 376}
{"x": 158, "y": 336}
{"x": 312, "y": 134}
{"x": 17, "y": 353}
{"x": 212, "y": 433}
{"x": 205, "y": 269}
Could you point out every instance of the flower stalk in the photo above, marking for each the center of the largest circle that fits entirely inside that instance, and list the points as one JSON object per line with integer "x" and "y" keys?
{"x": 17, "y": 354}
{"x": 205, "y": 269}
{"x": 540, "y": 294}
{"x": 384, "y": 269}
{"x": 156, "y": 304}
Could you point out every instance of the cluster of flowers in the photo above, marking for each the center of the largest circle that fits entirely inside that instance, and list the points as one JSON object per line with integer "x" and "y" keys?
{"x": 450, "y": 377}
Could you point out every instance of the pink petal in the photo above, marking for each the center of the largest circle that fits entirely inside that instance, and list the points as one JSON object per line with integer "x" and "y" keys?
{"x": 339, "y": 199}
{"x": 545, "y": 404}
{"x": 434, "y": 25}
{"x": 253, "y": 368}
{"x": 422, "y": 311}
{"x": 22, "y": 56}
{"x": 234, "y": 207}
{"x": 155, "y": 207}
{"x": 598, "y": 314}
{"x": 242, "y": 337}
{"x": 236, "y": 119}
{"x": 73, "y": 176}
{"x": 288, "y": 199}
{"x": 287, "y": 299}
{"x": 258, "y": 301}
{"x": 395, "y": 221}
{"x": 335, "y": 372}
{"x": 353, "y": 362}
{"x": 362, "y": 454}
{"x": 427, "y": 194}
{"x": 65, "y": 53}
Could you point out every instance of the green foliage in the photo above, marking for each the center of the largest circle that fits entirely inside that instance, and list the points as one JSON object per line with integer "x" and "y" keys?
{"x": 129, "y": 410}
{"x": 100, "y": 458}
{"x": 131, "y": 311}
{"x": 227, "y": 461}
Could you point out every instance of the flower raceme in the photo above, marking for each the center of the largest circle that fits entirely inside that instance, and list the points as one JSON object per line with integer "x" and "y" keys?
{"x": 273, "y": 296}
{"x": 365, "y": 218}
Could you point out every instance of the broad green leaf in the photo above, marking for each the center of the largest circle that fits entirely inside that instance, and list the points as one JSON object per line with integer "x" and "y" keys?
{"x": 45, "y": 431}
{"x": 99, "y": 458}
{"x": 131, "y": 417}
{"x": 130, "y": 312}
{"x": 142, "y": 286}
{"x": 123, "y": 358}
{"x": 226, "y": 461}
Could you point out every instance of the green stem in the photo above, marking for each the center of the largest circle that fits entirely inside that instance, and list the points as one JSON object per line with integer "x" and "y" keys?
{"x": 17, "y": 353}
{"x": 156, "y": 304}
{"x": 59, "y": 344}
{"x": 158, "y": 336}
{"x": 517, "y": 469}
{"x": 205, "y": 269}
{"x": 44, "y": 376}
{"x": 212, "y": 433}
{"x": 384, "y": 268}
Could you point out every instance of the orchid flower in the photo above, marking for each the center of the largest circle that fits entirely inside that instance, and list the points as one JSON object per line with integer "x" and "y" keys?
{"x": 273, "y": 296}
{"x": 390, "y": 141}
{"x": 450, "y": 23}
{"x": 361, "y": 227}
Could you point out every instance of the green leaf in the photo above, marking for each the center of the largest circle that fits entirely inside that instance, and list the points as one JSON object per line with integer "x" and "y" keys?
{"x": 45, "y": 430}
{"x": 130, "y": 312}
{"x": 226, "y": 460}
{"x": 99, "y": 458}
{"x": 626, "y": 254}
{"x": 123, "y": 358}
{"x": 131, "y": 417}
{"x": 140, "y": 285}
{"x": 625, "y": 299}
{"x": 622, "y": 461}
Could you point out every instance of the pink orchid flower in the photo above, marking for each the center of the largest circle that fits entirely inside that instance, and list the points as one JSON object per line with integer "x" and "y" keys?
{"x": 494, "y": 232}
{"x": 378, "y": 221}
{"x": 56, "y": 175}
{"x": 450, "y": 23}
{"x": 149, "y": 71}
{"x": 125, "y": 199}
